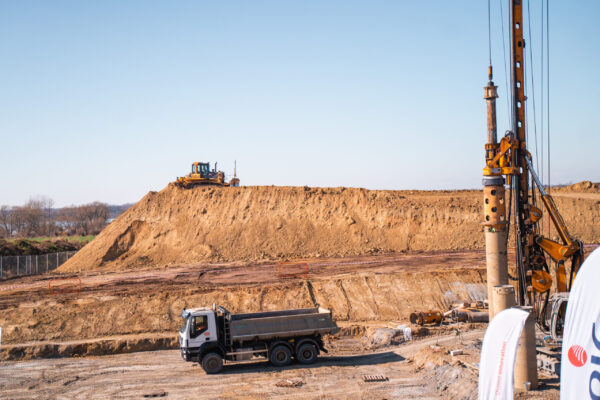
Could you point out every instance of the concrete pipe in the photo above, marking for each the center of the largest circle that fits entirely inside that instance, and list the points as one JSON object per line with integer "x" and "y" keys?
{"x": 478, "y": 316}
{"x": 460, "y": 315}
{"x": 526, "y": 362}
{"x": 503, "y": 297}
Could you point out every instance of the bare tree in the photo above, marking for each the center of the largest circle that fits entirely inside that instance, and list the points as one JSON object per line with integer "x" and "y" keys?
{"x": 87, "y": 219}
{"x": 38, "y": 218}
{"x": 33, "y": 214}
{"x": 18, "y": 221}
{"x": 93, "y": 217}
{"x": 5, "y": 221}
{"x": 49, "y": 221}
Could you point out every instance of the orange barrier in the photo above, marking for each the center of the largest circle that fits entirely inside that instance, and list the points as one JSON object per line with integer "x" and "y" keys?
{"x": 55, "y": 291}
{"x": 300, "y": 271}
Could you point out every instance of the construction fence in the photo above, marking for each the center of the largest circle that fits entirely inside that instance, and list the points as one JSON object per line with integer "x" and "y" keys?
{"x": 32, "y": 265}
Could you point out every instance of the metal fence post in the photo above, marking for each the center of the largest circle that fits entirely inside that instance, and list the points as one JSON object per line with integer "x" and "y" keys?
{"x": 1, "y": 258}
{"x": 18, "y": 265}
{"x": 46, "y": 262}
{"x": 37, "y": 271}
{"x": 56, "y": 260}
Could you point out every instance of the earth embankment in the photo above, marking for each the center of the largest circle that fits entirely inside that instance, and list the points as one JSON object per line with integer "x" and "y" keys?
{"x": 208, "y": 224}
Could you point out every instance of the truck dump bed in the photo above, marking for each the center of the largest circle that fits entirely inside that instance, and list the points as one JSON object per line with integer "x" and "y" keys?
{"x": 281, "y": 324}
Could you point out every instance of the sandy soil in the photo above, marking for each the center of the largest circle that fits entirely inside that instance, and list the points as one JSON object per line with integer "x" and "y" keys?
{"x": 124, "y": 311}
{"x": 124, "y": 292}
{"x": 357, "y": 289}
{"x": 212, "y": 224}
{"x": 165, "y": 374}
{"x": 413, "y": 369}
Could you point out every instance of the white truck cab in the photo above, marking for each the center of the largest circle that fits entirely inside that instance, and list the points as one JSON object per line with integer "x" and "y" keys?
{"x": 198, "y": 327}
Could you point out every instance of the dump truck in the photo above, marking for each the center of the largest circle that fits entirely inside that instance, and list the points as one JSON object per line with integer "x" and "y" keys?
{"x": 212, "y": 336}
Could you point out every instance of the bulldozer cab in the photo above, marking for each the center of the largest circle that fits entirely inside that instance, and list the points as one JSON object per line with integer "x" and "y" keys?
{"x": 201, "y": 169}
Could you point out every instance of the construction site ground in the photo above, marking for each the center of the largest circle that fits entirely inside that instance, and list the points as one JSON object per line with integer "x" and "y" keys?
{"x": 105, "y": 330}
{"x": 413, "y": 370}
{"x": 83, "y": 362}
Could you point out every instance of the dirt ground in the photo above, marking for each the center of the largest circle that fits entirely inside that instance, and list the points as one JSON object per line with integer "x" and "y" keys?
{"x": 137, "y": 312}
{"x": 149, "y": 302}
{"x": 413, "y": 371}
{"x": 108, "y": 328}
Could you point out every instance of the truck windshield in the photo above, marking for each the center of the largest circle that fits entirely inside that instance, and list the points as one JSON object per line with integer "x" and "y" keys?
{"x": 183, "y": 325}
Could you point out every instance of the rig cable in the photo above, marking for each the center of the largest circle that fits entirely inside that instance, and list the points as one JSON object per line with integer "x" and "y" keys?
{"x": 542, "y": 99}
{"x": 548, "y": 84}
{"x": 508, "y": 100}
{"x": 489, "y": 32}
{"x": 548, "y": 92}
{"x": 532, "y": 86}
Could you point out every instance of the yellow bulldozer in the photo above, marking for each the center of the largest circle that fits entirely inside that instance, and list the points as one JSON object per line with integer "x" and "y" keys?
{"x": 202, "y": 175}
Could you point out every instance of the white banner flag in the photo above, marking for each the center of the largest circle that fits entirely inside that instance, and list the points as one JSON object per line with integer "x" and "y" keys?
{"x": 498, "y": 355}
{"x": 580, "y": 363}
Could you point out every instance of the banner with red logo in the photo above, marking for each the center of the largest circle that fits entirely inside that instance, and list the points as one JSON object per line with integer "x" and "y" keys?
{"x": 498, "y": 355}
{"x": 580, "y": 364}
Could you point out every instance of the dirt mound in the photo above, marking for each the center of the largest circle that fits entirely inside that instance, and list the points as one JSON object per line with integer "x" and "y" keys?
{"x": 179, "y": 226}
{"x": 583, "y": 186}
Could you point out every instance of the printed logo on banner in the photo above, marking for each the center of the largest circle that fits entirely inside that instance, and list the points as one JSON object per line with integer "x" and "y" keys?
{"x": 577, "y": 356}
{"x": 595, "y": 375}
{"x": 500, "y": 368}
{"x": 580, "y": 366}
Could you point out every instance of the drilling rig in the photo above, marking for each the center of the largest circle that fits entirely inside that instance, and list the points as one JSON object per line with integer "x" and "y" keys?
{"x": 539, "y": 260}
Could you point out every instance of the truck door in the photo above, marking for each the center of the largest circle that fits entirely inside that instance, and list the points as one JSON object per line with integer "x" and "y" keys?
{"x": 202, "y": 329}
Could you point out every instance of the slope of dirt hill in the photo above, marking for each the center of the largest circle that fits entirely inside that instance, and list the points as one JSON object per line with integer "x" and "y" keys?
{"x": 583, "y": 186}
{"x": 179, "y": 226}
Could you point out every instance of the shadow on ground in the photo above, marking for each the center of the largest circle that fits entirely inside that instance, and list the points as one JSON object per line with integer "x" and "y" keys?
{"x": 324, "y": 361}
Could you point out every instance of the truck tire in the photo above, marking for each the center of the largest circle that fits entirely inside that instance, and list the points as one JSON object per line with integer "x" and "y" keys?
{"x": 212, "y": 363}
{"x": 307, "y": 353}
{"x": 280, "y": 356}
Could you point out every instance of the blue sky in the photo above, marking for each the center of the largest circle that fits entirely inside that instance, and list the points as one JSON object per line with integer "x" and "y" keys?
{"x": 107, "y": 100}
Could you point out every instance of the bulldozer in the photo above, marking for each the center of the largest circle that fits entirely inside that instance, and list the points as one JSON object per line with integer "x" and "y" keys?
{"x": 202, "y": 175}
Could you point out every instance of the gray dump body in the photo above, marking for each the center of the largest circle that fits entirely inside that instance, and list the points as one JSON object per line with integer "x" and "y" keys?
{"x": 282, "y": 324}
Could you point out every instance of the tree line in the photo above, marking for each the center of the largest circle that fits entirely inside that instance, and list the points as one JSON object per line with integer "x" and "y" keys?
{"x": 38, "y": 217}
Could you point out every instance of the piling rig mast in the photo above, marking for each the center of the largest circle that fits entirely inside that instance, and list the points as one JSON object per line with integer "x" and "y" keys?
{"x": 510, "y": 158}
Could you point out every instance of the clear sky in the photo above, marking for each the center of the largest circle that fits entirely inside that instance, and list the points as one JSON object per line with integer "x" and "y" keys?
{"x": 106, "y": 100}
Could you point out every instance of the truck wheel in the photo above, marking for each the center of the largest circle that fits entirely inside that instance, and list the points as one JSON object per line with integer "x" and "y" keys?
{"x": 212, "y": 363}
{"x": 281, "y": 356}
{"x": 307, "y": 354}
